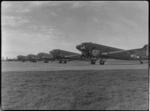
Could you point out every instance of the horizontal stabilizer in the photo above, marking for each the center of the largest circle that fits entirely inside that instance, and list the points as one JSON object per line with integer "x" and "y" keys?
{"x": 145, "y": 48}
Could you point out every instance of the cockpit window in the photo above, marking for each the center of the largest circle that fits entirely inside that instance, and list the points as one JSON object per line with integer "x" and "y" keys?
{"x": 84, "y": 44}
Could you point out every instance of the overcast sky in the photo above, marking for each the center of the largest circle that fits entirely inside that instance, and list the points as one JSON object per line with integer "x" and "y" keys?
{"x": 36, "y": 26}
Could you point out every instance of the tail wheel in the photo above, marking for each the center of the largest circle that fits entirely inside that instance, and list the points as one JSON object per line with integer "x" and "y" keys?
{"x": 141, "y": 61}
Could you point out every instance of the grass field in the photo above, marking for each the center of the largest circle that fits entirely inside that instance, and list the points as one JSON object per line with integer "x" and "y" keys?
{"x": 97, "y": 90}
{"x": 72, "y": 65}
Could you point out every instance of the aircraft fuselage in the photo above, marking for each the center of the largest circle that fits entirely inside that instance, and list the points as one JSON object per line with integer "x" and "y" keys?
{"x": 97, "y": 51}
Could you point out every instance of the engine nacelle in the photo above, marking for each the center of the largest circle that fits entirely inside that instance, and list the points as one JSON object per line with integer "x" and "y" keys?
{"x": 135, "y": 56}
{"x": 96, "y": 53}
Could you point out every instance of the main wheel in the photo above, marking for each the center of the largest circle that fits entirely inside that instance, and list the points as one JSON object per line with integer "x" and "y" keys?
{"x": 65, "y": 61}
{"x": 23, "y": 61}
{"x": 45, "y": 61}
{"x": 93, "y": 61}
{"x": 141, "y": 62}
{"x": 60, "y": 61}
{"x": 101, "y": 62}
{"x": 34, "y": 61}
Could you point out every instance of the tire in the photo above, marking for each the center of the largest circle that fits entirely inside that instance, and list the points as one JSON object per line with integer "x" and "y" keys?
{"x": 141, "y": 62}
{"x": 23, "y": 61}
{"x": 60, "y": 61}
{"x": 93, "y": 61}
{"x": 45, "y": 61}
{"x": 101, "y": 62}
{"x": 65, "y": 61}
{"x": 34, "y": 61}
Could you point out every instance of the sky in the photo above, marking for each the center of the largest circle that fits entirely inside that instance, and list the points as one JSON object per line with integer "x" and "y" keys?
{"x": 30, "y": 27}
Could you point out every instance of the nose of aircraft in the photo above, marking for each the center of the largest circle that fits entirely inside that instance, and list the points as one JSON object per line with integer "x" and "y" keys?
{"x": 78, "y": 47}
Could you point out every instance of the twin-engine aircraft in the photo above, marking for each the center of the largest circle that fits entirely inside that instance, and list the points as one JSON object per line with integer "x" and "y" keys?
{"x": 90, "y": 51}
{"x": 45, "y": 57}
{"x": 22, "y": 58}
{"x": 102, "y": 52}
{"x": 34, "y": 58}
{"x": 30, "y": 58}
{"x": 64, "y": 56}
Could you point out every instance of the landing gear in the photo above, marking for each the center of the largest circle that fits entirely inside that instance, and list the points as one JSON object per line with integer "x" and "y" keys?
{"x": 34, "y": 61}
{"x": 22, "y": 60}
{"x": 60, "y": 61}
{"x": 45, "y": 61}
{"x": 141, "y": 61}
{"x": 63, "y": 61}
{"x": 101, "y": 62}
{"x": 93, "y": 61}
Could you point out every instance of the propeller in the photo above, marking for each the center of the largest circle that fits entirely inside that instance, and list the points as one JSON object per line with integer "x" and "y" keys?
{"x": 90, "y": 53}
{"x": 86, "y": 55}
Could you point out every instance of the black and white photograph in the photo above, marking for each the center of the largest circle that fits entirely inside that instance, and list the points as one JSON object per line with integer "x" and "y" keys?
{"x": 74, "y": 55}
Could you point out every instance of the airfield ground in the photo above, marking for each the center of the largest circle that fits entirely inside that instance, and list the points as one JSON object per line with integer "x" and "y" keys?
{"x": 72, "y": 65}
{"x": 123, "y": 89}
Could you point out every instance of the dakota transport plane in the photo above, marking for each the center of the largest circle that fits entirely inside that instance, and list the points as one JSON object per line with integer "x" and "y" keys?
{"x": 22, "y": 58}
{"x": 96, "y": 51}
{"x": 34, "y": 58}
{"x": 29, "y": 57}
{"x": 46, "y": 57}
{"x": 64, "y": 56}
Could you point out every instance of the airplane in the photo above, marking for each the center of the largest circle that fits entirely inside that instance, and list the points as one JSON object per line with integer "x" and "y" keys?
{"x": 30, "y": 58}
{"x": 64, "y": 56}
{"x": 45, "y": 57}
{"x": 33, "y": 58}
{"x": 22, "y": 58}
{"x": 11, "y": 60}
{"x": 96, "y": 51}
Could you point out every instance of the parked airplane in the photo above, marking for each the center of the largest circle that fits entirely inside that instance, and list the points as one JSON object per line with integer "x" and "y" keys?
{"x": 30, "y": 57}
{"x": 22, "y": 58}
{"x": 96, "y": 51}
{"x": 33, "y": 58}
{"x": 11, "y": 60}
{"x": 64, "y": 56}
{"x": 45, "y": 57}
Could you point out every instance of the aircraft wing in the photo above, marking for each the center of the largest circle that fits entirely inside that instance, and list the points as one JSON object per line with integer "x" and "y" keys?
{"x": 135, "y": 53}
{"x": 72, "y": 56}
{"x": 76, "y": 57}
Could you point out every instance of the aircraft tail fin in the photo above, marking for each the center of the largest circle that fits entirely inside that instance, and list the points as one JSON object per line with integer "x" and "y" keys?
{"x": 145, "y": 48}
